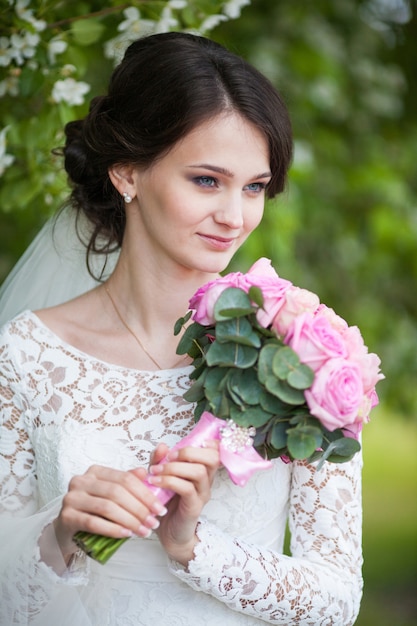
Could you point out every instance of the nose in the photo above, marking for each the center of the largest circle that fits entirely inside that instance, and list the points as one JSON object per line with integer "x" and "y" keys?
{"x": 230, "y": 213}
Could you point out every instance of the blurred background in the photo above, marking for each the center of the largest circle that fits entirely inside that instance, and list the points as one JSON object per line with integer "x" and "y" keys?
{"x": 345, "y": 228}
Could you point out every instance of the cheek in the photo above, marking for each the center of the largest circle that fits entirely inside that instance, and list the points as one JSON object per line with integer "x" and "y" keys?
{"x": 253, "y": 217}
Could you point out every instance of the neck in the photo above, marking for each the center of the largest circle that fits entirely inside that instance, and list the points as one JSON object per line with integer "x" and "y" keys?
{"x": 152, "y": 297}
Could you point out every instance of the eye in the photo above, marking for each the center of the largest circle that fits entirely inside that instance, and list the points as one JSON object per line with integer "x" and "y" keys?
{"x": 205, "y": 181}
{"x": 256, "y": 187}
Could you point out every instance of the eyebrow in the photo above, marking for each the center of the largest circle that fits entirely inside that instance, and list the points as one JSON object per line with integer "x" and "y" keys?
{"x": 224, "y": 171}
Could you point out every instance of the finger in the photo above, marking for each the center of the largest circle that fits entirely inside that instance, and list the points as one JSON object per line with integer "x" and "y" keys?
{"x": 118, "y": 486}
{"x": 125, "y": 512}
{"x": 159, "y": 453}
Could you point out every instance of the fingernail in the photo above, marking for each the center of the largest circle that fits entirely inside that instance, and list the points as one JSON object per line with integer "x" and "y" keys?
{"x": 151, "y": 522}
{"x": 156, "y": 469}
{"x": 159, "y": 509}
{"x": 154, "y": 480}
{"x": 126, "y": 533}
{"x": 172, "y": 455}
{"x": 144, "y": 532}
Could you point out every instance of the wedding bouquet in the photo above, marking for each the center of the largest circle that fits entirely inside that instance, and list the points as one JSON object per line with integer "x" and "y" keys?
{"x": 276, "y": 374}
{"x": 270, "y": 356}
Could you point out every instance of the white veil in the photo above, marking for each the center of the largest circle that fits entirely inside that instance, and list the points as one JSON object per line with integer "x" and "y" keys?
{"x": 52, "y": 269}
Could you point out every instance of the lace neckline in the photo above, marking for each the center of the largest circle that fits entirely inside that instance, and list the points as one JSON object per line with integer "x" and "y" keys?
{"x": 30, "y": 315}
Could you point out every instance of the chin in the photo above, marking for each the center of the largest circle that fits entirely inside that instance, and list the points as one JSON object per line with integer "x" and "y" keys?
{"x": 214, "y": 263}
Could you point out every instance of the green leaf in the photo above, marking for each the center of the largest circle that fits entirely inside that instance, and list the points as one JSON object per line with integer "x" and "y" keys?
{"x": 245, "y": 384}
{"x": 232, "y": 302}
{"x": 231, "y": 355}
{"x": 272, "y": 404}
{"x": 237, "y": 330}
{"x": 255, "y": 294}
{"x": 266, "y": 356}
{"x": 284, "y": 392}
{"x": 284, "y": 362}
{"x": 251, "y": 416}
{"x": 301, "y": 378}
{"x": 278, "y": 436}
{"x": 192, "y": 334}
{"x": 87, "y": 31}
{"x": 303, "y": 442}
{"x": 342, "y": 450}
{"x": 214, "y": 381}
{"x": 179, "y": 324}
{"x": 196, "y": 392}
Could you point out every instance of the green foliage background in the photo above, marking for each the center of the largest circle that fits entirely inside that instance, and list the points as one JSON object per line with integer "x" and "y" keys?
{"x": 346, "y": 228}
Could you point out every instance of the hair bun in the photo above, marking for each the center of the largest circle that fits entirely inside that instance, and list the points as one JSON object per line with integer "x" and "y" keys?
{"x": 75, "y": 153}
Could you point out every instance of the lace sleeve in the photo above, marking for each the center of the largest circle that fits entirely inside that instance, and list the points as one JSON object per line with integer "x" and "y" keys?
{"x": 320, "y": 583}
{"x": 27, "y": 584}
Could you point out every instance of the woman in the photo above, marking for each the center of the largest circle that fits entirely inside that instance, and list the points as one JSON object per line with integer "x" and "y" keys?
{"x": 173, "y": 166}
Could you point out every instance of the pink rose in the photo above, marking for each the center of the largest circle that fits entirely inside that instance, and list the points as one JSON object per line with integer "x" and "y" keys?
{"x": 336, "y": 395}
{"x": 314, "y": 340}
{"x": 205, "y": 298}
{"x": 335, "y": 320}
{"x": 368, "y": 362}
{"x": 273, "y": 288}
{"x": 296, "y": 301}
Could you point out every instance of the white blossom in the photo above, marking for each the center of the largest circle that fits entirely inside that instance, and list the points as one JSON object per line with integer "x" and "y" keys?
{"x": 167, "y": 21}
{"x": 27, "y": 15}
{"x": 68, "y": 69}
{"x": 211, "y": 22}
{"x": 132, "y": 21}
{"x": 10, "y": 85}
{"x": 69, "y": 90}
{"x": 56, "y": 46}
{"x": 23, "y": 46}
{"x": 232, "y": 8}
{"x": 5, "y": 52}
{"x": 5, "y": 159}
{"x": 177, "y": 4}
{"x": 131, "y": 30}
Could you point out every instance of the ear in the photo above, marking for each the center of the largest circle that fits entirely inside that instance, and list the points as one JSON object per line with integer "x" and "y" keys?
{"x": 123, "y": 180}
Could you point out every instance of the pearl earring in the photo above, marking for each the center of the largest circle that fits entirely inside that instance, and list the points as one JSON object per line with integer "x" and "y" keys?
{"x": 127, "y": 197}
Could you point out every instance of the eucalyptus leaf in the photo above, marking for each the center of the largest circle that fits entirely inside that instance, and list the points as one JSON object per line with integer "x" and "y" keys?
{"x": 284, "y": 392}
{"x": 195, "y": 392}
{"x": 251, "y": 416}
{"x": 300, "y": 444}
{"x": 256, "y": 295}
{"x": 340, "y": 451}
{"x": 278, "y": 436}
{"x": 231, "y": 355}
{"x": 301, "y": 378}
{"x": 180, "y": 323}
{"x": 246, "y": 385}
{"x": 213, "y": 381}
{"x": 237, "y": 330}
{"x": 266, "y": 357}
{"x": 273, "y": 405}
{"x": 192, "y": 333}
{"x": 232, "y": 302}
{"x": 284, "y": 362}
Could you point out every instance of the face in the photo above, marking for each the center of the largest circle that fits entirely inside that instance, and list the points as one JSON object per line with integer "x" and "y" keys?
{"x": 197, "y": 205}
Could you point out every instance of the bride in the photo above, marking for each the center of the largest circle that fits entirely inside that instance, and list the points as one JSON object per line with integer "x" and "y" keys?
{"x": 169, "y": 173}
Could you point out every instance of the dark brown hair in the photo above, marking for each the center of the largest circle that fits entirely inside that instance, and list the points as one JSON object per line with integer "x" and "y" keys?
{"x": 166, "y": 85}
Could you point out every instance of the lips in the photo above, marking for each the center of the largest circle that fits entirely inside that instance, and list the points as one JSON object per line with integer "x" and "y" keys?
{"x": 219, "y": 243}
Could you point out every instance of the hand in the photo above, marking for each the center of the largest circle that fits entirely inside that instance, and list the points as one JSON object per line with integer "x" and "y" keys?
{"x": 189, "y": 472}
{"x": 107, "y": 502}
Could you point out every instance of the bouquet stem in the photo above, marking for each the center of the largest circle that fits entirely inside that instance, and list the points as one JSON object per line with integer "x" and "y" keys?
{"x": 98, "y": 547}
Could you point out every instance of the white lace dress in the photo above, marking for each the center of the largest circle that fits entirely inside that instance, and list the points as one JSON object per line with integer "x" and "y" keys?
{"x": 62, "y": 411}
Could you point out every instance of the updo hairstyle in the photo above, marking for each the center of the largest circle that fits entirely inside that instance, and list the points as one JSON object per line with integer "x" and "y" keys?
{"x": 166, "y": 85}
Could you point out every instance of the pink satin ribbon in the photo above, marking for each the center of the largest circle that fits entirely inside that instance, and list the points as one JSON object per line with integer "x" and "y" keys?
{"x": 237, "y": 454}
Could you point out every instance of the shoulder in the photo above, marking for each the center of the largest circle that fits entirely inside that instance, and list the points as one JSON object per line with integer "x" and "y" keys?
{"x": 18, "y": 327}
